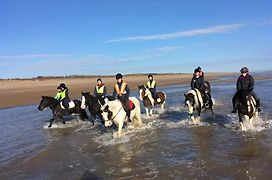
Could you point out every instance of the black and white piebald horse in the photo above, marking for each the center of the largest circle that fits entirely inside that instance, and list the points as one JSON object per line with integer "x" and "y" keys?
{"x": 246, "y": 105}
{"x": 59, "y": 111}
{"x": 195, "y": 102}
{"x": 113, "y": 112}
{"x": 148, "y": 101}
{"x": 94, "y": 103}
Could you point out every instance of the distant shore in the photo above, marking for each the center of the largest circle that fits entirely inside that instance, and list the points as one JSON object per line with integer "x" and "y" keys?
{"x": 17, "y": 92}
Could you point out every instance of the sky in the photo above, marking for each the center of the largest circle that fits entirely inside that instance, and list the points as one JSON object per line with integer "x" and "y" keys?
{"x": 105, "y": 37}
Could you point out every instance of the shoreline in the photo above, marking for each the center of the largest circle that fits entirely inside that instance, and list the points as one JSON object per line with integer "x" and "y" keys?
{"x": 19, "y": 92}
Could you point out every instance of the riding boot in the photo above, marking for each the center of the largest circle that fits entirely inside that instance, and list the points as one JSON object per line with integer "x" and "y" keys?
{"x": 258, "y": 105}
{"x": 234, "y": 110}
{"x": 66, "y": 107}
{"x": 128, "y": 115}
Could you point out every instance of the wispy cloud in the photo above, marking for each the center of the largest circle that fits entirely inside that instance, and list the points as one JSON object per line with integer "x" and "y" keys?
{"x": 195, "y": 32}
{"x": 32, "y": 56}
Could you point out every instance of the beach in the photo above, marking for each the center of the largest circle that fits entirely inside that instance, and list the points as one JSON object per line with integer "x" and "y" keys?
{"x": 18, "y": 92}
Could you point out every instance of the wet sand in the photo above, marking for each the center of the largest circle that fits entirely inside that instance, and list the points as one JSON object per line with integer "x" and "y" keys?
{"x": 29, "y": 91}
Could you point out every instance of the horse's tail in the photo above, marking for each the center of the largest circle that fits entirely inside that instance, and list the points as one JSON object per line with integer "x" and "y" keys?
{"x": 137, "y": 118}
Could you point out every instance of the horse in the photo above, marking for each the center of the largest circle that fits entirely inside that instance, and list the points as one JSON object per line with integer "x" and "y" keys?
{"x": 246, "y": 106}
{"x": 148, "y": 101}
{"x": 94, "y": 103}
{"x": 58, "y": 111}
{"x": 113, "y": 112}
{"x": 194, "y": 101}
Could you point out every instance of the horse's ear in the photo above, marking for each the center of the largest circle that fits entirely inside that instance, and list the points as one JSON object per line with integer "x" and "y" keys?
{"x": 139, "y": 86}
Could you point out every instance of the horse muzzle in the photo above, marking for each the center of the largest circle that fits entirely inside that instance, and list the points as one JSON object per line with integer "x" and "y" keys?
{"x": 108, "y": 123}
{"x": 83, "y": 106}
{"x": 41, "y": 108}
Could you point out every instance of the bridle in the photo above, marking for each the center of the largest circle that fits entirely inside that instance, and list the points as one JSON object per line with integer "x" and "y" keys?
{"x": 112, "y": 118}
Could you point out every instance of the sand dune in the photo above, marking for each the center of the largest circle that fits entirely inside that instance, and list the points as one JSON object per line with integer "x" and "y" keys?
{"x": 29, "y": 91}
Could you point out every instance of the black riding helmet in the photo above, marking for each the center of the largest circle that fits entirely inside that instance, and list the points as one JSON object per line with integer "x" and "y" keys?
{"x": 196, "y": 70}
{"x": 119, "y": 76}
{"x": 244, "y": 70}
{"x": 99, "y": 79}
{"x": 59, "y": 87}
{"x": 150, "y": 75}
{"x": 62, "y": 85}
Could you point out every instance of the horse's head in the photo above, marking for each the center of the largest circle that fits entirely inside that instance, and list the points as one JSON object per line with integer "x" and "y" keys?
{"x": 45, "y": 102}
{"x": 106, "y": 115}
{"x": 143, "y": 91}
{"x": 84, "y": 99}
{"x": 190, "y": 102}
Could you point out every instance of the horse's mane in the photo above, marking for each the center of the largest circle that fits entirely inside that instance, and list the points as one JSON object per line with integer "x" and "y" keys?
{"x": 242, "y": 96}
{"x": 141, "y": 87}
{"x": 50, "y": 99}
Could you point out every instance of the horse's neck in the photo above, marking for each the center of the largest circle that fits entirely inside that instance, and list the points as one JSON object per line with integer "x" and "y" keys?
{"x": 114, "y": 105}
{"x": 93, "y": 103}
{"x": 52, "y": 102}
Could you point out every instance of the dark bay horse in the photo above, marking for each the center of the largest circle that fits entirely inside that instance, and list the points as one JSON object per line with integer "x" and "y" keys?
{"x": 148, "y": 101}
{"x": 58, "y": 112}
{"x": 94, "y": 103}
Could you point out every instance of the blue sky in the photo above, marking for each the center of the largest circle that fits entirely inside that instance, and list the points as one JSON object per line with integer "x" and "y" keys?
{"x": 102, "y": 37}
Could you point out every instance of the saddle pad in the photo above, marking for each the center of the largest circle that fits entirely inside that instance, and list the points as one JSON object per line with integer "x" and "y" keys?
{"x": 71, "y": 105}
{"x": 131, "y": 105}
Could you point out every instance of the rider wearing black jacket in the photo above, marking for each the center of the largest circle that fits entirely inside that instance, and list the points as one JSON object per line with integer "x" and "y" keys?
{"x": 198, "y": 81}
{"x": 245, "y": 82}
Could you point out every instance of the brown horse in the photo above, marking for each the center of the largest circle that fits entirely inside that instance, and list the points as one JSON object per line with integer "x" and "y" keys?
{"x": 148, "y": 101}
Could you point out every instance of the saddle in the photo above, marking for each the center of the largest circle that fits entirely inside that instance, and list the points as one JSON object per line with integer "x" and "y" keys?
{"x": 128, "y": 105}
{"x": 71, "y": 105}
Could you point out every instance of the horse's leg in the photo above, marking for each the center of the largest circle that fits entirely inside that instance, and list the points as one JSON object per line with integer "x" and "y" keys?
{"x": 151, "y": 111}
{"x": 120, "y": 127}
{"x": 147, "y": 112}
{"x": 62, "y": 119}
{"x": 51, "y": 121}
{"x": 162, "y": 105}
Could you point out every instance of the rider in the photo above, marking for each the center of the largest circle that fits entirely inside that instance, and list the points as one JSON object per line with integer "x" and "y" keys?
{"x": 122, "y": 91}
{"x": 245, "y": 82}
{"x": 199, "y": 83}
{"x": 151, "y": 85}
{"x": 62, "y": 95}
{"x": 100, "y": 89}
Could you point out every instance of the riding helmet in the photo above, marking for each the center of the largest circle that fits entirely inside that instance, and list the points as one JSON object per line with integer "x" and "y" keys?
{"x": 150, "y": 75}
{"x": 196, "y": 70}
{"x": 62, "y": 85}
{"x": 244, "y": 70}
{"x": 99, "y": 79}
{"x": 119, "y": 76}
